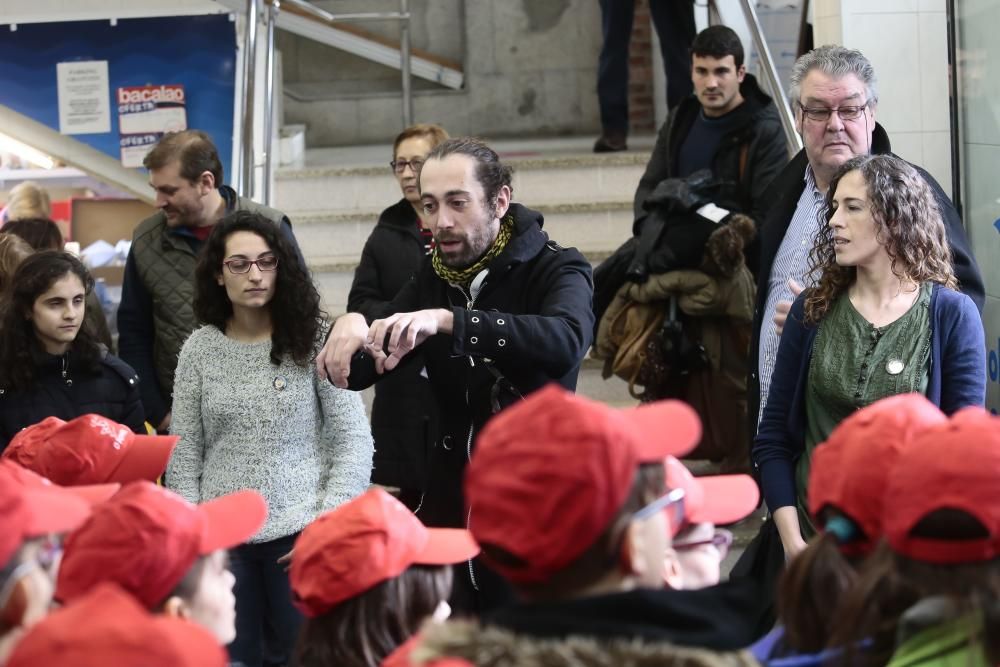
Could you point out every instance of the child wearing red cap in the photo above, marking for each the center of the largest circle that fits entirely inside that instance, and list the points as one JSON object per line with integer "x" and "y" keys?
{"x": 52, "y": 363}
{"x": 33, "y": 514}
{"x": 847, "y": 487}
{"x": 367, "y": 575}
{"x": 106, "y": 628}
{"x": 698, "y": 545}
{"x": 253, "y": 414}
{"x": 90, "y": 450}
{"x": 929, "y": 594}
{"x": 169, "y": 554}
{"x": 567, "y": 501}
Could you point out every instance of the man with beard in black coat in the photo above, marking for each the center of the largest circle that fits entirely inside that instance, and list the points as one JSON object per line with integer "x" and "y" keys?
{"x": 498, "y": 310}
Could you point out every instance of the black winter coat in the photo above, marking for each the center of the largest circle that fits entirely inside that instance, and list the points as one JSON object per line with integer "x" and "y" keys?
{"x": 532, "y": 319}
{"x": 404, "y": 415}
{"x": 784, "y": 196}
{"x": 111, "y": 390}
{"x": 759, "y": 131}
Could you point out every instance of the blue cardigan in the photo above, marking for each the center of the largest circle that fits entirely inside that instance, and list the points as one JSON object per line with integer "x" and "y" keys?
{"x": 957, "y": 379}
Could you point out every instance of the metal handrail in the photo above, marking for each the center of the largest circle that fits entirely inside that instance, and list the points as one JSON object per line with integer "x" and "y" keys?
{"x": 792, "y": 138}
{"x": 245, "y": 156}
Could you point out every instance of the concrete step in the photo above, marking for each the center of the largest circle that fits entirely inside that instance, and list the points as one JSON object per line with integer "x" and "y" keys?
{"x": 338, "y": 238}
{"x": 546, "y": 172}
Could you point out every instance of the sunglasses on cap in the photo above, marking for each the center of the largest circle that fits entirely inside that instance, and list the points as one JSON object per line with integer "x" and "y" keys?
{"x": 672, "y": 502}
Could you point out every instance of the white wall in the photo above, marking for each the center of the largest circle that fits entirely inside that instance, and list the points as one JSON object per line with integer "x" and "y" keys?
{"x": 907, "y": 42}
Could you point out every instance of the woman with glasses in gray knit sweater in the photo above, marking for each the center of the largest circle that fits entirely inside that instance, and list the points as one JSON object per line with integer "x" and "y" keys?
{"x": 252, "y": 414}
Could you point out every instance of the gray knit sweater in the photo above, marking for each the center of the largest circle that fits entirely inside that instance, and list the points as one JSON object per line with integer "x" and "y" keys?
{"x": 245, "y": 423}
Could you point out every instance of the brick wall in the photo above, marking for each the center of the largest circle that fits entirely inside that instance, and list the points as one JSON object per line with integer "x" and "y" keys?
{"x": 640, "y": 71}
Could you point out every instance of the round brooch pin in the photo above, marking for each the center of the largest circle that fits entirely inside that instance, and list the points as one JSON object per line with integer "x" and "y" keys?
{"x": 894, "y": 366}
{"x": 279, "y": 383}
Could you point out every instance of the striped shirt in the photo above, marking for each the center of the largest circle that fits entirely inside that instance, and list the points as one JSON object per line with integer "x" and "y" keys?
{"x": 791, "y": 262}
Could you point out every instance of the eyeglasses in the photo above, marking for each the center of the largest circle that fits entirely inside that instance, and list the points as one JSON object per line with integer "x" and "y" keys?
{"x": 672, "y": 500}
{"x": 722, "y": 540}
{"x": 399, "y": 166}
{"x": 823, "y": 114}
{"x": 268, "y": 263}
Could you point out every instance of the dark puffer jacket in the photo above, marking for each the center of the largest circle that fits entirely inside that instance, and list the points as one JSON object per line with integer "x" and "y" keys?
{"x": 111, "y": 390}
{"x": 404, "y": 415}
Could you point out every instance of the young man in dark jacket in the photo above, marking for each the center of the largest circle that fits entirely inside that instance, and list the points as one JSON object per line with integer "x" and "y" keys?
{"x": 498, "y": 311}
{"x": 835, "y": 97}
{"x": 729, "y": 126}
{"x": 404, "y": 416}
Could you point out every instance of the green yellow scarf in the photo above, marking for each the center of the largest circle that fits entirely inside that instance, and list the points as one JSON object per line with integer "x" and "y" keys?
{"x": 466, "y": 275}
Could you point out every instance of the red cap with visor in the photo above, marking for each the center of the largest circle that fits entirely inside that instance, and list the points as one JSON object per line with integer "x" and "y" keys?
{"x": 952, "y": 466}
{"x": 550, "y": 473}
{"x": 90, "y": 450}
{"x": 368, "y": 540}
{"x": 107, "y": 627}
{"x": 146, "y": 538}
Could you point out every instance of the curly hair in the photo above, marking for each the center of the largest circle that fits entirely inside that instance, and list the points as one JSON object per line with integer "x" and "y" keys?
{"x": 296, "y": 316}
{"x": 907, "y": 223}
{"x": 18, "y": 340}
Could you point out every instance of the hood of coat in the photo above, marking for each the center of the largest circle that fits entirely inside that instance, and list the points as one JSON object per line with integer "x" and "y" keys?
{"x": 501, "y": 647}
{"x": 713, "y": 617}
{"x": 527, "y": 241}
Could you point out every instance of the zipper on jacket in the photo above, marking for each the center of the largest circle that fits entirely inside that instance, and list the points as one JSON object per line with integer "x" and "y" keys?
{"x": 470, "y": 303}
{"x": 65, "y": 370}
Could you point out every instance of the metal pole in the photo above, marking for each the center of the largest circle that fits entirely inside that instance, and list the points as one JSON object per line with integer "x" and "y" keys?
{"x": 404, "y": 65}
{"x": 780, "y": 99}
{"x": 272, "y": 18}
{"x": 249, "y": 74}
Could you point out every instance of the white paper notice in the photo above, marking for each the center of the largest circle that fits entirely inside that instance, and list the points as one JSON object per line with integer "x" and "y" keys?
{"x": 84, "y": 97}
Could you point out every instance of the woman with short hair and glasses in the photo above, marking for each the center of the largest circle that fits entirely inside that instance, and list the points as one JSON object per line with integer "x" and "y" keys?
{"x": 252, "y": 414}
{"x": 884, "y": 318}
{"x": 404, "y": 413}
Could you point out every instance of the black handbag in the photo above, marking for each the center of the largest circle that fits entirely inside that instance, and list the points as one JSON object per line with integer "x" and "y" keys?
{"x": 763, "y": 561}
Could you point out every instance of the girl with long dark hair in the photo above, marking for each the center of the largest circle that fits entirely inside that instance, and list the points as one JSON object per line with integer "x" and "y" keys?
{"x": 884, "y": 318}
{"x": 252, "y": 414}
{"x": 367, "y": 575}
{"x": 51, "y": 365}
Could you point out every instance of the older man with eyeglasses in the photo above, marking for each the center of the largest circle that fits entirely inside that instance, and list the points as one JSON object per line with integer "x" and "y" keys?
{"x": 834, "y": 95}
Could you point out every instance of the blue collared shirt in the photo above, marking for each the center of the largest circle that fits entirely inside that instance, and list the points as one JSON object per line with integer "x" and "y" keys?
{"x": 791, "y": 262}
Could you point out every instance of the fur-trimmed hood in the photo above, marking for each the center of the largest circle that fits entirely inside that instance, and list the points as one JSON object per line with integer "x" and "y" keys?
{"x": 492, "y": 646}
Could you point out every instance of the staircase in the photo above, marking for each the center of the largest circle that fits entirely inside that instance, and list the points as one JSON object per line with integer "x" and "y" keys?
{"x": 335, "y": 198}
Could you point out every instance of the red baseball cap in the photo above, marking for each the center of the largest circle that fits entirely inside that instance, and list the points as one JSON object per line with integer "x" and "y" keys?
{"x": 91, "y": 494}
{"x": 850, "y": 469}
{"x": 550, "y": 473}
{"x": 146, "y": 538}
{"x": 371, "y": 539}
{"x": 28, "y": 511}
{"x": 90, "y": 450}
{"x": 107, "y": 627}
{"x": 954, "y": 465}
{"x": 718, "y": 499}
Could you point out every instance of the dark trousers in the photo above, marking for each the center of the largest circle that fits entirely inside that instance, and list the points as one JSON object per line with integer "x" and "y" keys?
{"x": 674, "y": 23}
{"x": 267, "y": 625}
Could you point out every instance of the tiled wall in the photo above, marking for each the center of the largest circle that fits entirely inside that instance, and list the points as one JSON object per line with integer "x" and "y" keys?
{"x": 907, "y": 42}
{"x": 978, "y": 61}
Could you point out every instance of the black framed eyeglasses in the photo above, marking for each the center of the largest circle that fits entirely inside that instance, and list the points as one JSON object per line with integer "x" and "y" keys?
{"x": 267, "y": 263}
{"x": 822, "y": 114}
{"x": 672, "y": 500}
{"x": 399, "y": 166}
{"x": 721, "y": 539}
